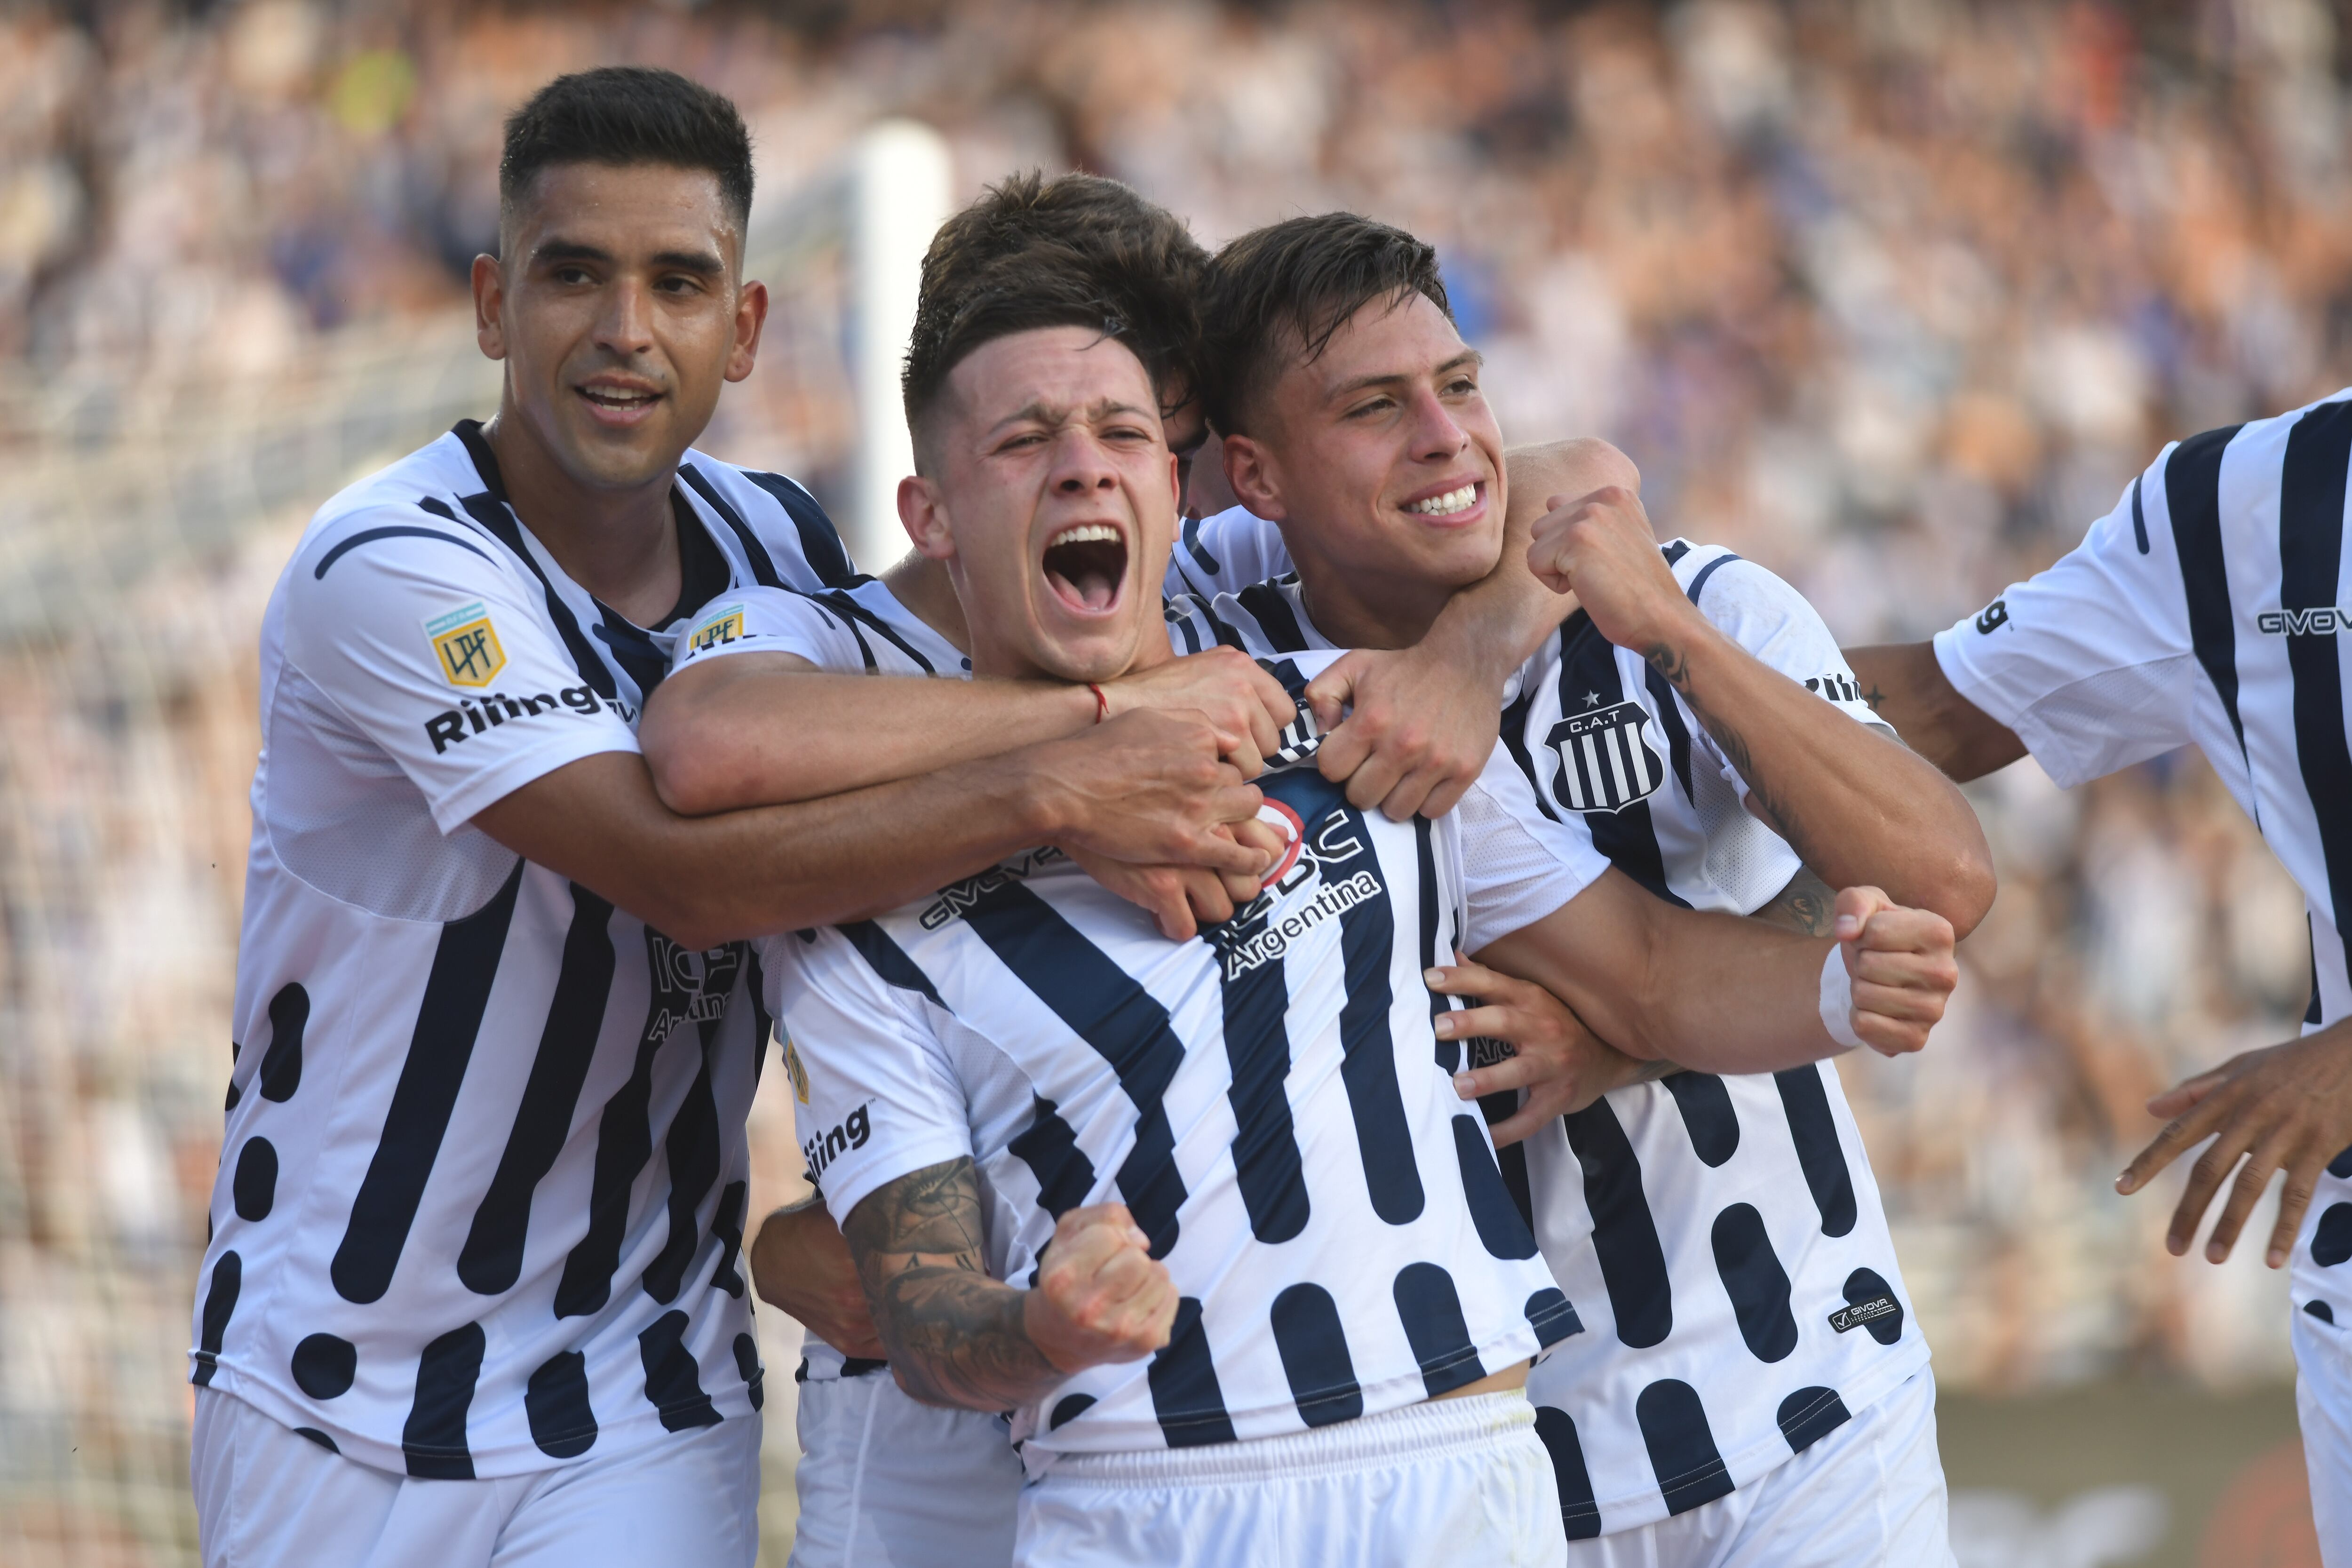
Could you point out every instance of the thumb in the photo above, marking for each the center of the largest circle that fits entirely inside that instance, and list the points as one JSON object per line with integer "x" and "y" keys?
{"x": 1853, "y": 911}
{"x": 1330, "y": 693}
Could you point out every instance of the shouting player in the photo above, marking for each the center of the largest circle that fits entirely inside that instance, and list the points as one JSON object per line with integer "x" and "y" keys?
{"x": 1753, "y": 1390}
{"x": 474, "y": 1285}
{"x": 1018, "y": 1049}
{"x": 2208, "y": 609}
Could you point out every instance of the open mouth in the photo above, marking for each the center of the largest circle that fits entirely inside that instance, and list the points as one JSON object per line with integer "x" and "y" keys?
{"x": 1453, "y": 504}
{"x": 1086, "y": 565}
{"x": 618, "y": 400}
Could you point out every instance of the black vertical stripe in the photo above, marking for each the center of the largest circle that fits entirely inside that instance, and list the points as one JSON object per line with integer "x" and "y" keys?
{"x": 434, "y": 1438}
{"x": 1433, "y": 954}
{"x": 220, "y": 1302}
{"x": 889, "y": 961}
{"x": 1708, "y": 1115}
{"x": 727, "y": 1227}
{"x": 1200, "y": 552}
{"x": 755, "y": 1376}
{"x": 2139, "y": 516}
{"x": 1682, "y": 1453}
{"x": 1756, "y": 1282}
{"x": 856, "y": 615}
{"x": 254, "y": 1188}
{"x": 491, "y": 512}
{"x": 456, "y": 993}
{"x": 563, "y": 1423}
{"x": 323, "y": 1365}
{"x": 2192, "y": 489}
{"x": 1579, "y": 1516}
{"x": 624, "y": 1137}
{"x": 2311, "y": 559}
{"x": 1050, "y": 1149}
{"x": 821, "y": 545}
{"x": 764, "y": 1023}
{"x": 1868, "y": 1285}
{"x": 2331, "y": 1238}
{"x": 1493, "y": 1214}
{"x": 491, "y": 1259}
{"x": 1182, "y": 1376}
{"x": 1272, "y": 611}
{"x": 672, "y": 1385}
{"x": 1429, "y": 1307}
{"x": 1368, "y": 1064}
{"x": 1315, "y": 1358}
{"x": 1548, "y": 1312}
{"x": 1512, "y": 1158}
{"x": 281, "y": 1065}
{"x": 1102, "y": 1004}
{"x": 1266, "y": 1164}
{"x": 763, "y": 567}
{"x": 1670, "y": 720}
{"x": 1810, "y": 1415}
{"x": 1628, "y": 837}
{"x": 1814, "y": 1131}
{"x": 1514, "y": 741}
{"x": 1624, "y": 1232}
{"x": 1068, "y": 1409}
{"x": 691, "y": 1146}
{"x": 632, "y": 649}
{"x": 2312, "y": 1010}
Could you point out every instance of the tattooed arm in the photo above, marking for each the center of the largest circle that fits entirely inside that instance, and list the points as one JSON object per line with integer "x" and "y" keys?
{"x": 956, "y": 1337}
{"x": 1857, "y": 806}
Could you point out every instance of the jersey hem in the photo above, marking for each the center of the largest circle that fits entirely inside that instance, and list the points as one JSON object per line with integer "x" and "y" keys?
{"x": 623, "y": 1435}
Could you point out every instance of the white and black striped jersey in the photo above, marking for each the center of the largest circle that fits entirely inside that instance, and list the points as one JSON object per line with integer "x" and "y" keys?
{"x": 1721, "y": 1237}
{"x": 2210, "y": 609}
{"x": 1269, "y": 1098}
{"x": 482, "y": 1189}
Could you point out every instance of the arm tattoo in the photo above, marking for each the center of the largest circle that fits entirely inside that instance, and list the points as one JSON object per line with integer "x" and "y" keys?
{"x": 1806, "y": 904}
{"x": 955, "y": 1336}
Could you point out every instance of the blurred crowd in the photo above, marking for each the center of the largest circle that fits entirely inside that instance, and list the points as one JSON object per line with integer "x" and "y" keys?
{"x": 1894, "y": 296}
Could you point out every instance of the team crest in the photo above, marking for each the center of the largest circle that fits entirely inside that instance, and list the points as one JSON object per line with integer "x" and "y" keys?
{"x": 723, "y": 628}
{"x": 467, "y": 646}
{"x": 1606, "y": 761}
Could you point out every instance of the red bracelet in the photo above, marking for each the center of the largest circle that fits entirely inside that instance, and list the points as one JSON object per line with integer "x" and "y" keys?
{"x": 1102, "y": 703}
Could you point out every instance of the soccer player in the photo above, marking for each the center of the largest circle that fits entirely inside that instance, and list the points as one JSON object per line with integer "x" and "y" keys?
{"x": 474, "y": 1286}
{"x": 1061, "y": 1053}
{"x": 2207, "y": 609}
{"x": 1724, "y": 1229}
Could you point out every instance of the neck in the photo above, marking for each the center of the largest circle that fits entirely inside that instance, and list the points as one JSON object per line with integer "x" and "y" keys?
{"x": 1365, "y": 609}
{"x": 619, "y": 544}
{"x": 923, "y": 586}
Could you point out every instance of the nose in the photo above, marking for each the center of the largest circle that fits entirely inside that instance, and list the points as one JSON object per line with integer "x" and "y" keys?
{"x": 1081, "y": 463}
{"x": 1438, "y": 435}
{"x": 624, "y": 324}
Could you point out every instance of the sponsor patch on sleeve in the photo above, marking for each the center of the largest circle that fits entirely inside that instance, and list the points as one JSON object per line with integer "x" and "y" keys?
{"x": 1867, "y": 1311}
{"x": 467, "y": 646}
{"x": 798, "y": 1073}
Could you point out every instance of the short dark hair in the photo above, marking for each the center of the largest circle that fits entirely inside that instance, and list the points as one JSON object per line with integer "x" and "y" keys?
{"x": 1075, "y": 250}
{"x": 627, "y": 114}
{"x": 1287, "y": 289}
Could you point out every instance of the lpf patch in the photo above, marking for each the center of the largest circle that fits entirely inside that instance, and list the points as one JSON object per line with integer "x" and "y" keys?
{"x": 467, "y": 646}
{"x": 723, "y": 628}
{"x": 1606, "y": 761}
{"x": 798, "y": 1073}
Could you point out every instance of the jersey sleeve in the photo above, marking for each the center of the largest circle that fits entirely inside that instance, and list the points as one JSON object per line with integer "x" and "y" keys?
{"x": 2091, "y": 662}
{"x": 1519, "y": 863}
{"x": 1779, "y": 625}
{"x": 1224, "y": 554}
{"x": 767, "y": 620}
{"x": 443, "y": 656}
{"x": 879, "y": 1098}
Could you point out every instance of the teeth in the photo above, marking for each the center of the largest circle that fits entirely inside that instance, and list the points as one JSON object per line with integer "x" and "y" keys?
{"x": 610, "y": 394}
{"x": 1445, "y": 505}
{"x": 1090, "y": 533}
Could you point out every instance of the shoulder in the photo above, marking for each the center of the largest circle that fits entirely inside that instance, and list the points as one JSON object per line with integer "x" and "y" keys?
{"x": 788, "y": 538}
{"x": 405, "y": 529}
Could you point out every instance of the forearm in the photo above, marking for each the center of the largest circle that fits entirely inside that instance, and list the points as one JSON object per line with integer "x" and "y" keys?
{"x": 1906, "y": 685}
{"x": 1491, "y": 627}
{"x": 1858, "y": 808}
{"x": 1627, "y": 972}
{"x": 722, "y": 739}
{"x": 959, "y": 1338}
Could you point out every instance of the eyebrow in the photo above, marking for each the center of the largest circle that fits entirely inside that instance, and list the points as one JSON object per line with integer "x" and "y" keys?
{"x": 702, "y": 263}
{"x": 1390, "y": 378}
{"x": 1038, "y": 411}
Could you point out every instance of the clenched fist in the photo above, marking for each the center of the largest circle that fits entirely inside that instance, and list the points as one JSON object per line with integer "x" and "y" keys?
{"x": 1900, "y": 961}
{"x": 1600, "y": 547}
{"x": 1100, "y": 1296}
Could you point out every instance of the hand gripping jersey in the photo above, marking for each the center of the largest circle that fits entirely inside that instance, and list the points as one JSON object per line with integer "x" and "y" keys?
{"x": 481, "y": 1195}
{"x": 2210, "y": 609}
{"x": 1269, "y": 1099}
{"x": 1721, "y": 1237}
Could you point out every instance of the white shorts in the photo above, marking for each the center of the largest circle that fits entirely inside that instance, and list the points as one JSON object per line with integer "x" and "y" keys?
{"x": 1450, "y": 1480}
{"x": 1869, "y": 1493}
{"x": 885, "y": 1482}
{"x": 2323, "y": 1403}
{"x": 266, "y": 1497}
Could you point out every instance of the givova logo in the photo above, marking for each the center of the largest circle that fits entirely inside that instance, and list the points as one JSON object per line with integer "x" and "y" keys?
{"x": 2314, "y": 621}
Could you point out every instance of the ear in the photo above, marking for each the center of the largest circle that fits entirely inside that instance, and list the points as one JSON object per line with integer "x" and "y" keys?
{"x": 489, "y": 296}
{"x": 751, "y": 315}
{"x": 925, "y": 518}
{"x": 1252, "y": 476}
